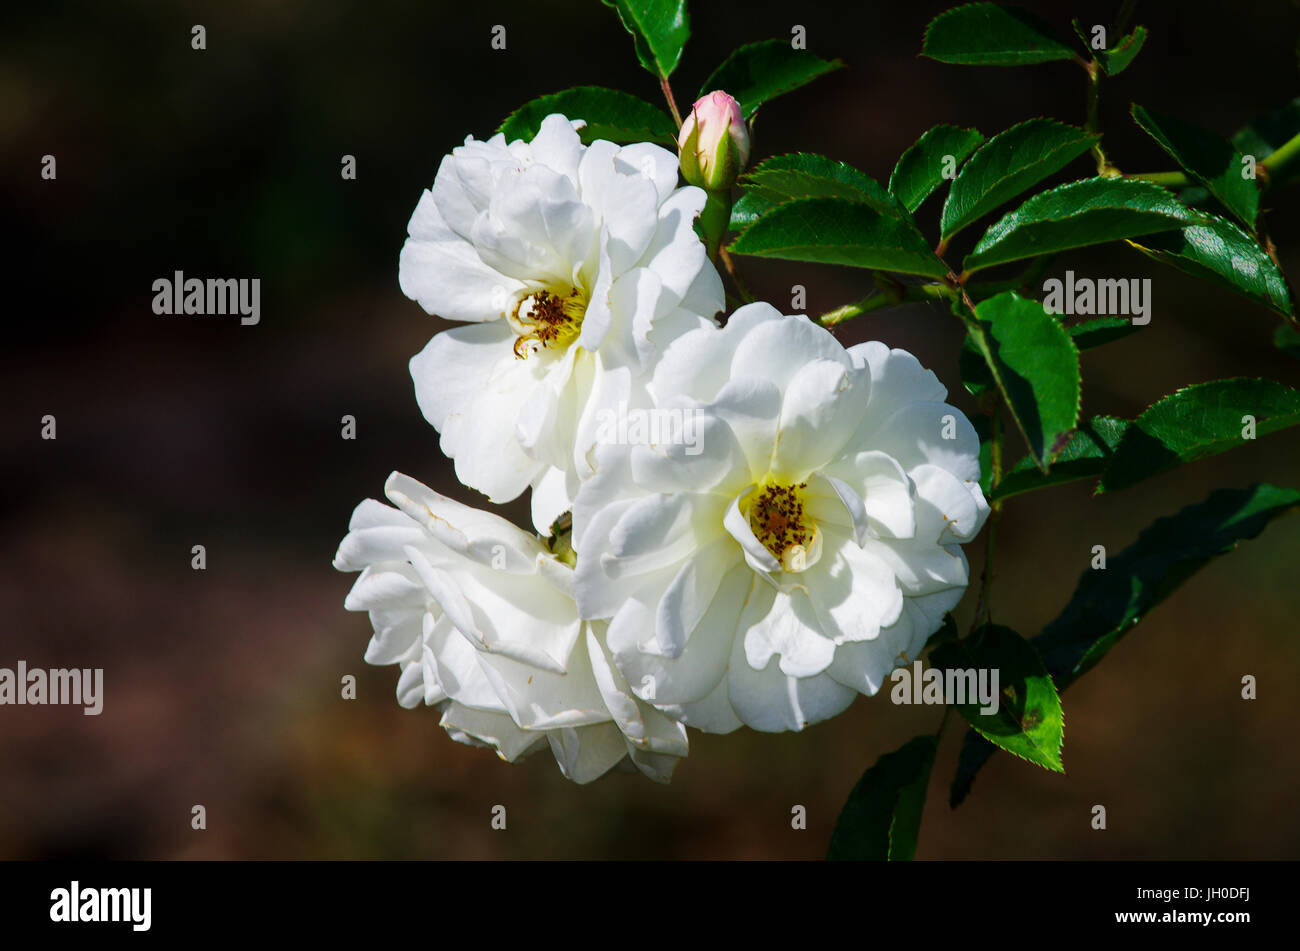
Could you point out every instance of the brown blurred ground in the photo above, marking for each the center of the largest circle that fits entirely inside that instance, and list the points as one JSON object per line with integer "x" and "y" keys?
{"x": 222, "y": 687}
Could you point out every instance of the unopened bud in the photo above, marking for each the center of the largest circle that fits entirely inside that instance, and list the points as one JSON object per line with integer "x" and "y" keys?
{"x": 714, "y": 142}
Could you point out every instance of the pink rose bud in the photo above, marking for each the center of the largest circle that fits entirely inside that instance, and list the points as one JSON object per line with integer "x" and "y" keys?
{"x": 714, "y": 142}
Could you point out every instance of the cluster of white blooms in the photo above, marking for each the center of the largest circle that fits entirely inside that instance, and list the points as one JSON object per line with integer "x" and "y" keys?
{"x": 786, "y": 542}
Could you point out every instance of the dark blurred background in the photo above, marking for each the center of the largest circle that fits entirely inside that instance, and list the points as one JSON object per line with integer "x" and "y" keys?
{"x": 222, "y": 686}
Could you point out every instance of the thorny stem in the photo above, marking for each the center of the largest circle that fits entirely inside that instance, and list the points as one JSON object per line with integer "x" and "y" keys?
{"x": 1167, "y": 179}
{"x": 1282, "y": 157}
{"x": 1093, "y": 123}
{"x": 730, "y": 265}
{"x": 1270, "y": 248}
{"x": 672, "y": 103}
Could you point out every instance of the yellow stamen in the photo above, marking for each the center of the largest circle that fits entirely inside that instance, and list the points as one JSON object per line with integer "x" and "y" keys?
{"x": 778, "y": 520}
{"x": 547, "y": 321}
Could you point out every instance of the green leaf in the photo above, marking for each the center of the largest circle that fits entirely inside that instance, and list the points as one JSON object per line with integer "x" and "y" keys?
{"x": 1209, "y": 159}
{"x": 755, "y": 73}
{"x": 882, "y": 817}
{"x": 752, "y": 205}
{"x": 1028, "y": 720}
{"x": 1195, "y": 422}
{"x": 984, "y": 34}
{"x": 1036, "y": 367}
{"x": 1287, "y": 340}
{"x": 1269, "y": 133}
{"x": 976, "y": 376}
{"x": 1107, "y": 604}
{"x": 838, "y": 231}
{"x": 805, "y": 175}
{"x": 1119, "y": 57}
{"x": 1092, "y": 211}
{"x": 1219, "y": 251}
{"x": 609, "y": 114}
{"x": 920, "y": 170}
{"x": 1008, "y": 164}
{"x": 659, "y": 30}
{"x": 1084, "y": 457}
{"x": 1101, "y": 330}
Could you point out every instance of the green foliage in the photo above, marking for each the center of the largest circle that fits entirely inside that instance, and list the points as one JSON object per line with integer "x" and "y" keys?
{"x": 609, "y": 114}
{"x": 1190, "y": 424}
{"x": 985, "y": 34}
{"x": 1008, "y": 164}
{"x": 920, "y": 170}
{"x": 759, "y": 72}
{"x": 1120, "y": 57}
{"x": 976, "y": 376}
{"x": 1117, "y": 58}
{"x": 1028, "y": 721}
{"x": 1269, "y": 133}
{"x": 751, "y": 206}
{"x": 839, "y": 231}
{"x": 807, "y": 207}
{"x": 1097, "y": 331}
{"x": 1092, "y": 211}
{"x": 1195, "y": 422}
{"x": 1035, "y": 366}
{"x": 1084, "y": 457}
{"x": 1218, "y": 251}
{"x": 882, "y": 817}
{"x": 1209, "y": 159}
{"x": 804, "y": 175}
{"x": 1108, "y": 604}
{"x": 659, "y": 28}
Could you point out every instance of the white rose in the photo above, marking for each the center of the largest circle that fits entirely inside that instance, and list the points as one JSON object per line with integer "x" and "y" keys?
{"x": 577, "y": 264}
{"x": 806, "y": 551}
{"x": 480, "y": 616}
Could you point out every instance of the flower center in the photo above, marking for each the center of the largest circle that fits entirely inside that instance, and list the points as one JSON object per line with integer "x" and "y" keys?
{"x": 545, "y": 320}
{"x": 778, "y": 520}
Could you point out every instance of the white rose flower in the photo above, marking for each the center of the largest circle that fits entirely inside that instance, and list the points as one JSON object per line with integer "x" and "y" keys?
{"x": 480, "y": 616}
{"x": 806, "y": 551}
{"x": 576, "y": 265}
